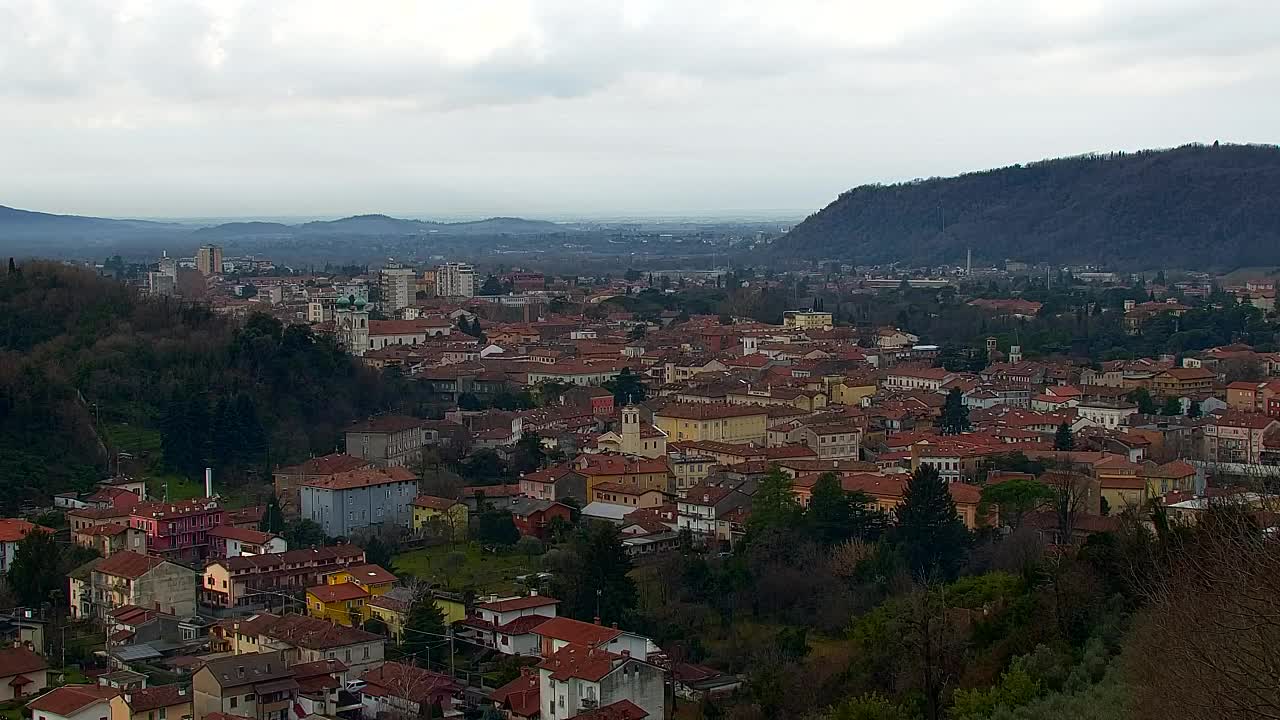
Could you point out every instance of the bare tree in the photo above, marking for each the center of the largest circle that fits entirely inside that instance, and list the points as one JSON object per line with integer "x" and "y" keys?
{"x": 1073, "y": 494}
{"x": 1208, "y": 644}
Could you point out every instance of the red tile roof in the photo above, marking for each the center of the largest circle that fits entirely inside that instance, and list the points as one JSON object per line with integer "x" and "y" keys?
{"x": 18, "y": 660}
{"x": 341, "y": 592}
{"x": 128, "y": 564}
{"x": 520, "y": 696}
{"x": 432, "y": 502}
{"x": 708, "y": 411}
{"x": 386, "y": 424}
{"x": 579, "y": 662}
{"x": 577, "y": 632}
{"x": 366, "y": 477}
{"x": 69, "y": 699}
{"x": 12, "y": 530}
{"x": 315, "y": 634}
{"x": 160, "y": 696}
{"x": 277, "y": 561}
{"x": 406, "y": 681}
{"x": 369, "y": 574}
{"x": 621, "y": 710}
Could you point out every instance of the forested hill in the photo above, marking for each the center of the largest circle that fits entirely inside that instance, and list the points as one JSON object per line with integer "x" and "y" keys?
{"x": 83, "y": 359}
{"x": 1190, "y": 207}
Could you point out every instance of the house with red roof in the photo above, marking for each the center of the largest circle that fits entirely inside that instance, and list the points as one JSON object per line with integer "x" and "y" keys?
{"x": 289, "y": 479}
{"x": 360, "y": 500}
{"x": 399, "y": 690}
{"x": 587, "y": 682}
{"x": 12, "y": 531}
{"x": 509, "y": 625}
{"x": 74, "y": 702}
{"x": 231, "y": 541}
{"x": 130, "y": 578}
{"x": 22, "y": 672}
{"x": 110, "y": 538}
{"x": 518, "y": 699}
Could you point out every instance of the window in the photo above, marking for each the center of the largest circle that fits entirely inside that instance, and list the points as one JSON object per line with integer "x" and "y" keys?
{"x": 347, "y": 655}
{"x": 248, "y": 697}
{"x": 162, "y": 713}
{"x": 235, "y": 702}
{"x": 366, "y": 652}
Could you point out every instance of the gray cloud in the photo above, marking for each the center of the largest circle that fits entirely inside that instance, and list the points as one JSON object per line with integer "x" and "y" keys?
{"x": 171, "y": 107}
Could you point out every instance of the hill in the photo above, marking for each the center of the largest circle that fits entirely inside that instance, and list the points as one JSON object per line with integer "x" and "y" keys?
{"x": 1189, "y": 207}
{"x": 27, "y": 224}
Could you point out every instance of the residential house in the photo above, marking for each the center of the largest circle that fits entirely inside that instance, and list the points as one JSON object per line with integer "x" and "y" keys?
{"x": 441, "y": 517}
{"x": 533, "y": 517}
{"x": 579, "y": 679}
{"x": 1181, "y": 382}
{"x": 635, "y": 472}
{"x": 289, "y": 479}
{"x": 518, "y": 699}
{"x": 886, "y": 490}
{"x": 703, "y": 509}
{"x": 110, "y": 538}
{"x": 343, "y": 596}
{"x": 256, "y": 685}
{"x": 387, "y": 440}
{"x": 161, "y": 702}
{"x": 12, "y": 531}
{"x": 229, "y": 541}
{"x": 245, "y": 580}
{"x": 178, "y": 530}
{"x": 904, "y": 378}
{"x": 557, "y": 482}
{"x": 398, "y": 690}
{"x": 621, "y": 494}
{"x": 1107, "y": 415}
{"x": 74, "y": 702}
{"x": 1252, "y": 397}
{"x": 1173, "y": 476}
{"x": 22, "y": 673}
{"x": 128, "y": 578}
{"x": 509, "y": 625}
{"x": 351, "y": 502}
{"x": 558, "y": 632}
{"x": 830, "y": 440}
{"x": 303, "y": 639}
{"x": 713, "y": 421}
{"x": 392, "y": 608}
{"x": 1236, "y": 437}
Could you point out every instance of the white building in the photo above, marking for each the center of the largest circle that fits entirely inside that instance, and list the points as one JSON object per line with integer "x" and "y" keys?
{"x": 397, "y": 287}
{"x": 456, "y": 280}
{"x": 578, "y": 678}
{"x": 1107, "y": 415}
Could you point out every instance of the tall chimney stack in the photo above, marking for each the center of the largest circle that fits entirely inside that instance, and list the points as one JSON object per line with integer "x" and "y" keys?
{"x": 208, "y": 482}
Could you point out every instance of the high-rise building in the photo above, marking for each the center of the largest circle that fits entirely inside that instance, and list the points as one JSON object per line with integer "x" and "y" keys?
{"x": 209, "y": 260}
{"x": 456, "y": 280}
{"x": 397, "y": 287}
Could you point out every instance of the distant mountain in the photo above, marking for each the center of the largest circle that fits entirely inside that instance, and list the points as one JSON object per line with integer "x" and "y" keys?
{"x": 1190, "y": 207}
{"x": 22, "y": 228}
{"x": 29, "y": 225}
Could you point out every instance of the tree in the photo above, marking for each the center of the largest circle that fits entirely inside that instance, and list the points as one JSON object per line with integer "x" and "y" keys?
{"x": 272, "y": 518}
{"x": 1142, "y": 398}
{"x": 1172, "y": 407}
{"x": 1194, "y": 410}
{"x": 424, "y": 628}
{"x": 1063, "y": 439}
{"x": 931, "y": 534}
{"x": 774, "y": 504}
{"x": 627, "y": 388}
{"x": 871, "y": 706}
{"x": 496, "y": 528}
{"x": 594, "y": 581}
{"x": 631, "y": 275}
{"x": 835, "y": 516}
{"x": 955, "y": 415}
{"x": 376, "y": 552}
{"x": 528, "y": 454}
{"x": 303, "y": 534}
{"x": 1015, "y": 498}
{"x": 36, "y": 573}
{"x": 1071, "y": 493}
{"x": 491, "y": 286}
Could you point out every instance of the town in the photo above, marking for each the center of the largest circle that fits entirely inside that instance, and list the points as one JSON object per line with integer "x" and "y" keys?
{"x": 652, "y": 495}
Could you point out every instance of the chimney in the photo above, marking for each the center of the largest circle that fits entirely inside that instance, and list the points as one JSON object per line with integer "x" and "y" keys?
{"x": 208, "y": 482}
{"x": 614, "y": 625}
{"x": 533, "y": 592}
{"x": 597, "y": 619}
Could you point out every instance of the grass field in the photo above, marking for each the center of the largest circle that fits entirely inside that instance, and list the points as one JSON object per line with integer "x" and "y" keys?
{"x": 469, "y": 567}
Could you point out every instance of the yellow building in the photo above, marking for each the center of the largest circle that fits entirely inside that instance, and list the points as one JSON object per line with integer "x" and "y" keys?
{"x": 344, "y": 595}
{"x": 852, "y": 392}
{"x": 713, "y": 421}
{"x": 804, "y": 320}
{"x": 393, "y": 608}
{"x": 632, "y": 472}
{"x": 440, "y": 516}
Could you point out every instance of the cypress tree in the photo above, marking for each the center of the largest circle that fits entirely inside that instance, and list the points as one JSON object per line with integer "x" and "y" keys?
{"x": 930, "y": 533}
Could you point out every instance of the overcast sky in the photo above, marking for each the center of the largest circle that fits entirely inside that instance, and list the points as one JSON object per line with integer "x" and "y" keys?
{"x": 560, "y": 108}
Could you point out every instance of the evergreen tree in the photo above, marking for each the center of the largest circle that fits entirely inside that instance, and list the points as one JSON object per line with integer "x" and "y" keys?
{"x": 627, "y": 388}
{"x": 774, "y": 504}
{"x": 595, "y": 580}
{"x": 933, "y": 539}
{"x": 424, "y": 629}
{"x": 36, "y": 572}
{"x": 376, "y": 552}
{"x": 1194, "y": 410}
{"x": 1142, "y": 398}
{"x": 1172, "y": 407}
{"x": 272, "y": 518}
{"x": 955, "y": 415}
{"x": 830, "y": 516}
{"x": 1064, "y": 439}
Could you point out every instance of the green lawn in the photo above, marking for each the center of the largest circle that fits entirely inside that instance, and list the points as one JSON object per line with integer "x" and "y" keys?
{"x": 134, "y": 440}
{"x": 180, "y": 488}
{"x": 485, "y": 572}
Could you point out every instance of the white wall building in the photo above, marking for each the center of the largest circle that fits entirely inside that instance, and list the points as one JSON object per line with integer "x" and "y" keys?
{"x": 455, "y": 280}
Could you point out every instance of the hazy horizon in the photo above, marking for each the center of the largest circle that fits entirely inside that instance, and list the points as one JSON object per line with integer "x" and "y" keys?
{"x": 562, "y": 108}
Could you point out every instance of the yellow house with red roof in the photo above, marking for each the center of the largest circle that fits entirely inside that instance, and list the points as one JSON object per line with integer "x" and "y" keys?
{"x": 343, "y": 597}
